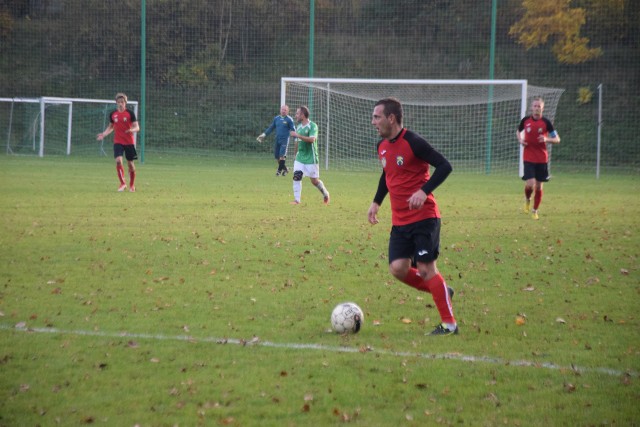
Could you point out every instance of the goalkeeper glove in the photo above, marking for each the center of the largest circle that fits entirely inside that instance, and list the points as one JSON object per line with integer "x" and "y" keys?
{"x": 261, "y": 138}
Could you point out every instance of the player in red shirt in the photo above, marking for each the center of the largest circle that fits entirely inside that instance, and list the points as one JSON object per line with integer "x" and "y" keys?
{"x": 414, "y": 242}
{"x": 123, "y": 121}
{"x": 534, "y": 132}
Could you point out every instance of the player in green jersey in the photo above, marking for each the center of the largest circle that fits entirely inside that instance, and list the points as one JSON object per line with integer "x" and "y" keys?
{"x": 307, "y": 160}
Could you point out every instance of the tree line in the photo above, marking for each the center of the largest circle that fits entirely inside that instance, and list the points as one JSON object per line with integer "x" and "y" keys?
{"x": 192, "y": 42}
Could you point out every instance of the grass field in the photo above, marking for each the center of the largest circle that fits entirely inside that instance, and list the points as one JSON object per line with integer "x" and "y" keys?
{"x": 204, "y": 299}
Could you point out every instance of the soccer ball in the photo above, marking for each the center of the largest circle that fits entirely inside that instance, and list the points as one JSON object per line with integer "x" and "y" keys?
{"x": 347, "y": 318}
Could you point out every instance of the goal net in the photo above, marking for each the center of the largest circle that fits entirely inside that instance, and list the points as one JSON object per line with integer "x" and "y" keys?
{"x": 471, "y": 122}
{"x": 54, "y": 126}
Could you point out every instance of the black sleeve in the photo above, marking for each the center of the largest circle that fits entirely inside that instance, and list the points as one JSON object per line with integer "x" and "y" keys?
{"x": 133, "y": 116}
{"x": 423, "y": 150}
{"x": 382, "y": 189}
{"x": 521, "y": 125}
{"x": 549, "y": 125}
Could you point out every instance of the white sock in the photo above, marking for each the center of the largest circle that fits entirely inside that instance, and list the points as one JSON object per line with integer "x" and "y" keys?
{"x": 297, "y": 190}
{"x": 320, "y": 187}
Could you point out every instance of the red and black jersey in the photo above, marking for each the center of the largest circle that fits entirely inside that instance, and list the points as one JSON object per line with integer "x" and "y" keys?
{"x": 405, "y": 162}
{"x": 121, "y": 122}
{"x": 535, "y": 151}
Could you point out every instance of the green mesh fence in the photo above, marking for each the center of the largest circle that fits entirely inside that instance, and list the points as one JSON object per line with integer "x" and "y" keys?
{"x": 213, "y": 68}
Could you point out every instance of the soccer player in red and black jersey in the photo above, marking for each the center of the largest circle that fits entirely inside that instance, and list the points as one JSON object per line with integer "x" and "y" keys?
{"x": 123, "y": 122}
{"x": 534, "y": 132}
{"x": 414, "y": 242}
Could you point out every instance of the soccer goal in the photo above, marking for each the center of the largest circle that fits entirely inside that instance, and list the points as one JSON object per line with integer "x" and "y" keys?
{"x": 35, "y": 126}
{"x": 472, "y": 122}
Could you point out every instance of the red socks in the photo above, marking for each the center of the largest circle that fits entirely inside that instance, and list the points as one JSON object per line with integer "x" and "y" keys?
{"x": 440, "y": 294}
{"x": 414, "y": 280}
{"x": 132, "y": 175}
{"x": 528, "y": 191}
{"x": 537, "y": 199}
{"x": 120, "y": 170}
{"x": 438, "y": 289}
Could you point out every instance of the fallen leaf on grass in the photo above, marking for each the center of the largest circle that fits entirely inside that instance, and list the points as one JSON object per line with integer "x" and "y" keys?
{"x": 253, "y": 340}
{"x": 406, "y": 320}
{"x": 493, "y": 398}
{"x": 592, "y": 281}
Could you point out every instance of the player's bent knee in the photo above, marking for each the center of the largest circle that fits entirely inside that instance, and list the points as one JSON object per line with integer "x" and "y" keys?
{"x": 297, "y": 176}
{"x": 399, "y": 270}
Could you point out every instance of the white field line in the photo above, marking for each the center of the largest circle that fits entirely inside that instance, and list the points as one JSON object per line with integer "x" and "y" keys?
{"x": 335, "y": 349}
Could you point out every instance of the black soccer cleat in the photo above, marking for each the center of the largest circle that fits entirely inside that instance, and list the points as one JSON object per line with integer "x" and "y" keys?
{"x": 442, "y": 330}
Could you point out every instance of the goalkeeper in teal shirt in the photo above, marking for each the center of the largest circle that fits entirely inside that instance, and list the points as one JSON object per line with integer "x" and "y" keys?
{"x": 307, "y": 160}
{"x": 283, "y": 125}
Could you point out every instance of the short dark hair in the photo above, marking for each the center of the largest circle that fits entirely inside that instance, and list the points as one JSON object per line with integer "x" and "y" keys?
{"x": 305, "y": 110}
{"x": 391, "y": 106}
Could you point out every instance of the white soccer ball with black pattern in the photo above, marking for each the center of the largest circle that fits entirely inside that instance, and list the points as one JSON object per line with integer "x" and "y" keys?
{"x": 347, "y": 318}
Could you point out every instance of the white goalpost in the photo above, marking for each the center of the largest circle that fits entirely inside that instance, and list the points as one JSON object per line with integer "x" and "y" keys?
{"x": 54, "y": 124}
{"x": 472, "y": 122}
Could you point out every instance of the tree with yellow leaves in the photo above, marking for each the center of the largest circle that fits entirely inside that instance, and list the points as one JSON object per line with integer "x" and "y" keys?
{"x": 554, "y": 19}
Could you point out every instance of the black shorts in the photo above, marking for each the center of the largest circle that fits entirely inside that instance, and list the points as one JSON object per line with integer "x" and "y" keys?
{"x": 539, "y": 171}
{"x": 128, "y": 150}
{"x": 419, "y": 241}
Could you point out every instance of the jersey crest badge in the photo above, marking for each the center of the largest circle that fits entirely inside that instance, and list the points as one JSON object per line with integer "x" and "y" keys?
{"x": 400, "y": 160}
